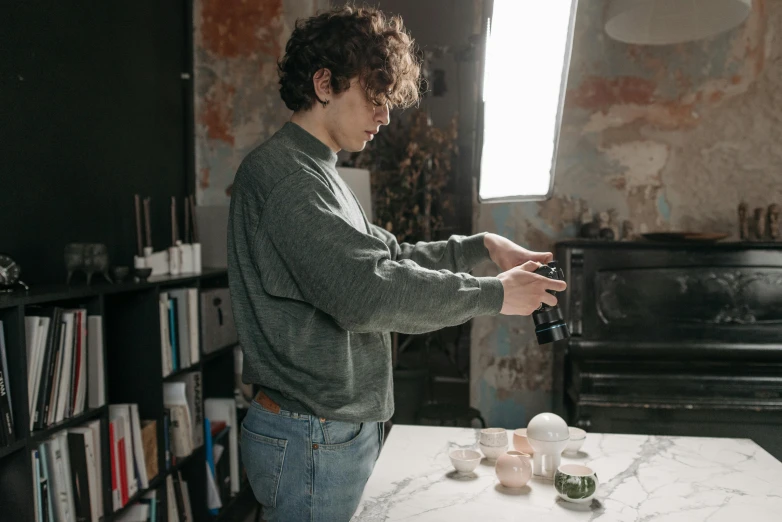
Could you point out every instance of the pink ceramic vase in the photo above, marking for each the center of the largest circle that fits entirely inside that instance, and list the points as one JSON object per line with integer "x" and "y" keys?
{"x": 513, "y": 469}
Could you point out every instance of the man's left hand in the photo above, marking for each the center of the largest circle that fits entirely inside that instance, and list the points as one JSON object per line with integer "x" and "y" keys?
{"x": 506, "y": 254}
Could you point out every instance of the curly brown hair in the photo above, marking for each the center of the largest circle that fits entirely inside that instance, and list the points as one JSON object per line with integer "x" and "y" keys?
{"x": 351, "y": 42}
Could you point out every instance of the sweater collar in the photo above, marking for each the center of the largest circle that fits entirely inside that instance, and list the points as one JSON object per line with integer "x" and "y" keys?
{"x": 309, "y": 144}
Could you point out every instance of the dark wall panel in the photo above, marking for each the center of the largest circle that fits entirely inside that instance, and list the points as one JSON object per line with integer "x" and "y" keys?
{"x": 91, "y": 112}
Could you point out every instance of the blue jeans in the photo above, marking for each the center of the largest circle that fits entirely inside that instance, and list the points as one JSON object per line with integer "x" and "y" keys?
{"x": 305, "y": 469}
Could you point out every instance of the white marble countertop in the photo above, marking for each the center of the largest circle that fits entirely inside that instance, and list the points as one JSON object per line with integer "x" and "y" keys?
{"x": 642, "y": 478}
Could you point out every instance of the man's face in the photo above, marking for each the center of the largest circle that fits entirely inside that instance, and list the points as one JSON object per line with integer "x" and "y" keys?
{"x": 354, "y": 119}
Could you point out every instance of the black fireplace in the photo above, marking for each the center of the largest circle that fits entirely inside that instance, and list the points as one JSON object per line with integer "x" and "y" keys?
{"x": 672, "y": 339}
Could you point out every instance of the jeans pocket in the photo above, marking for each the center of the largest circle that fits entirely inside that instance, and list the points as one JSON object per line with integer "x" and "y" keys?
{"x": 338, "y": 433}
{"x": 263, "y": 459}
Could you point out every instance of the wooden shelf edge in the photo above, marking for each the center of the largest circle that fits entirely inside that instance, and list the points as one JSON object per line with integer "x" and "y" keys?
{"x": 13, "y": 448}
{"x": 72, "y": 422}
{"x": 176, "y": 373}
{"x": 219, "y": 352}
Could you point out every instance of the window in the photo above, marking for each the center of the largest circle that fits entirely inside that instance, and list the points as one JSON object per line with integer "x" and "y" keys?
{"x": 525, "y": 75}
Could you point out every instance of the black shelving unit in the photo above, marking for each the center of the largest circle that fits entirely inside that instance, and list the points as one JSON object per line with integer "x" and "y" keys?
{"x": 133, "y": 365}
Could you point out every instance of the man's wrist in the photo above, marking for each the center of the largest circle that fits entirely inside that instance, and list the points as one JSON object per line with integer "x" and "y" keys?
{"x": 489, "y": 241}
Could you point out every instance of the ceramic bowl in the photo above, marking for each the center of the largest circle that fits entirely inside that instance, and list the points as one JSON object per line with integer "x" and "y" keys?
{"x": 119, "y": 273}
{"x": 576, "y": 483}
{"x": 513, "y": 469}
{"x": 520, "y": 441}
{"x": 493, "y": 452}
{"x": 142, "y": 273}
{"x": 494, "y": 437}
{"x": 577, "y": 438}
{"x": 465, "y": 461}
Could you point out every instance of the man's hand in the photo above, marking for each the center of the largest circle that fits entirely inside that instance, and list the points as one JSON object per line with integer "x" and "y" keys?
{"x": 525, "y": 290}
{"x": 506, "y": 254}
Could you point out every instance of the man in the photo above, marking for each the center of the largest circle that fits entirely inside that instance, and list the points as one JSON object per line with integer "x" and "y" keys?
{"x": 316, "y": 288}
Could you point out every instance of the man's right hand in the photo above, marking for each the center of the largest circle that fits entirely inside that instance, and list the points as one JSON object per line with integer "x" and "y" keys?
{"x": 525, "y": 290}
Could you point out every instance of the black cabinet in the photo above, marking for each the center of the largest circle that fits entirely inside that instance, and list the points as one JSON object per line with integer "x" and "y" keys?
{"x": 672, "y": 339}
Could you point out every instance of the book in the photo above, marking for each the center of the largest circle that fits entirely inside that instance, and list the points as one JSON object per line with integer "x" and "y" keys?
{"x": 193, "y": 394}
{"x": 181, "y": 430}
{"x": 47, "y": 507}
{"x": 179, "y": 299}
{"x": 38, "y": 342}
{"x": 38, "y": 503}
{"x": 96, "y": 378}
{"x": 172, "y": 332}
{"x": 62, "y": 387}
{"x": 149, "y": 443}
{"x": 116, "y": 489}
{"x": 6, "y": 406}
{"x": 165, "y": 338}
{"x": 138, "y": 448}
{"x": 225, "y": 410}
{"x": 94, "y": 427}
{"x": 80, "y": 364}
{"x": 128, "y": 479}
{"x": 79, "y": 475}
{"x": 49, "y": 367}
{"x": 193, "y": 325}
{"x": 60, "y": 477}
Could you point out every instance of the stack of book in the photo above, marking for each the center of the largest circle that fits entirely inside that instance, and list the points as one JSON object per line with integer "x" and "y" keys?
{"x": 65, "y": 364}
{"x": 67, "y": 474}
{"x": 179, "y": 329}
{"x": 182, "y": 405}
{"x": 225, "y": 445}
{"x": 132, "y": 451}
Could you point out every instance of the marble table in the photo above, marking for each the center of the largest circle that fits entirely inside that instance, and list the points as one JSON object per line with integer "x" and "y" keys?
{"x": 643, "y": 478}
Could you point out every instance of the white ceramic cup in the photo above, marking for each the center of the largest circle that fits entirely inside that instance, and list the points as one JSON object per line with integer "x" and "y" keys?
{"x": 494, "y": 437}
{"x": 465, "y": 461}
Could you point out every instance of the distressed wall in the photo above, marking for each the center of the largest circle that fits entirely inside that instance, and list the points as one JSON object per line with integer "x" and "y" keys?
{"x": 237, "y": 101}
{"x": 671, "y": 137}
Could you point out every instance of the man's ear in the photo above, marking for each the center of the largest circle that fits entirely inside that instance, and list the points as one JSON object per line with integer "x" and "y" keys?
{"x": 321, "y": 82}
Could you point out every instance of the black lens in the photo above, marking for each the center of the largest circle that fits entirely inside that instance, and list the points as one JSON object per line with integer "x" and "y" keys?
{"x": 549, "y": 325}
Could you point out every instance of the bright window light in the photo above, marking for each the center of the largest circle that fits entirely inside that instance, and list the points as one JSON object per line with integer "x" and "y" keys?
{"x": 525, "y": 76}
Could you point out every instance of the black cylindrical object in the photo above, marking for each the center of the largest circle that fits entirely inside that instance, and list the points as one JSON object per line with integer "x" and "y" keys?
{"x": 549, "y": 324}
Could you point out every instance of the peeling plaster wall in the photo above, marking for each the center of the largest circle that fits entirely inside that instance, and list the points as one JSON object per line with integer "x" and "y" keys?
{"x": 671, "y": 137}
{"x": 237, "y": 100}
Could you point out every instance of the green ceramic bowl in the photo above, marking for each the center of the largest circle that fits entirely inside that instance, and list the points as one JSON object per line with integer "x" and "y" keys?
{"x": 576, "y": 483}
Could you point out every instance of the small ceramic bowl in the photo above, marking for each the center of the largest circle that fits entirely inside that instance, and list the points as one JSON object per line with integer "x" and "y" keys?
{"x": 577, "y": 438}
{"x": 494, "y": 437}
{"x": 520, "y": 441}
{"x": 119, "y": 273}
{"x": 465, "y": 461}
{"x": 493, "y": 452}
{"x": 142, "y": 274}
{"x": 576, "y": 483}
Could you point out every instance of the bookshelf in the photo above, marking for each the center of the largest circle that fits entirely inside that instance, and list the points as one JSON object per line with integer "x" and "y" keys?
{"x": 133, "y": 374}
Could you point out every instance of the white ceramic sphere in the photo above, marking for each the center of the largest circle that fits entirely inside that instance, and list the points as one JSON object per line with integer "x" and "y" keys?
{"x": 547, "y": 427}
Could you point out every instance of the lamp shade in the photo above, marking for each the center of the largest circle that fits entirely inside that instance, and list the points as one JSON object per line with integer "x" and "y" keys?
{"x": 661, "y": 22}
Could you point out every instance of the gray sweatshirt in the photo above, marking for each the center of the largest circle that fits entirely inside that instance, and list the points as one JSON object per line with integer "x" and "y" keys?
{"x": 316, "y": 288}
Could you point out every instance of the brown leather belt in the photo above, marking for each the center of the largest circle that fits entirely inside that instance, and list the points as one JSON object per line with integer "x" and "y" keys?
{"x": 267, "y": 403}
